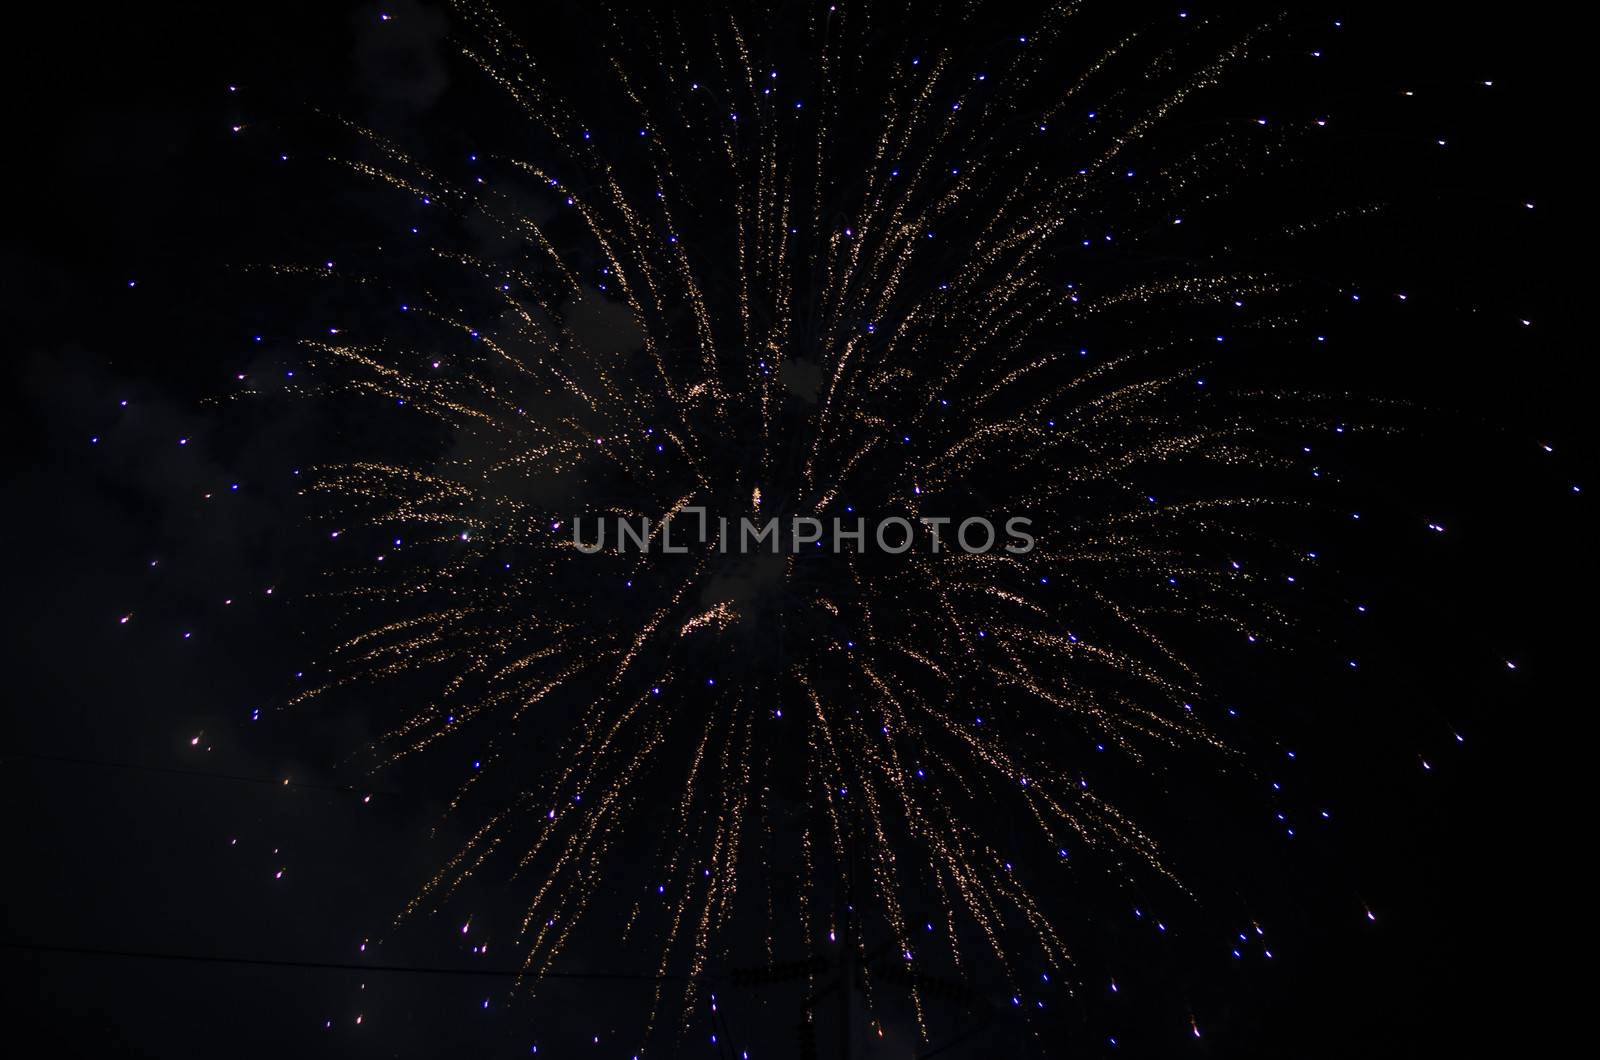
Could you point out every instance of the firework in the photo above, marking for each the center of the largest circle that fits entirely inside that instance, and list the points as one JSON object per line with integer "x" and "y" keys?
{"x": 822, "y": 271}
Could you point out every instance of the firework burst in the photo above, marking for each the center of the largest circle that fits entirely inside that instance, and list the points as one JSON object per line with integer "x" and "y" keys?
{"x": 824, "y": 270}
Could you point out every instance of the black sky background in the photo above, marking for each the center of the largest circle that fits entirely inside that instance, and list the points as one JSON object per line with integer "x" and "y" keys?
{"x": 118, "y": 831}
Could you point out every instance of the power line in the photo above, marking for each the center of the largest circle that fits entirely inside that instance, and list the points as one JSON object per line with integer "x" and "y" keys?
{"x": 337, "y": 966}
{"x": 267, "y": 962}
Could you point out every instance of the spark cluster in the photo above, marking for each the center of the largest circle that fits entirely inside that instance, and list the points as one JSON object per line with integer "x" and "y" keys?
{"x": 822, "y": 268}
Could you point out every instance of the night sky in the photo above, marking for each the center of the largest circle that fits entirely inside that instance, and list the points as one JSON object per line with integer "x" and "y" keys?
{"x": 168, "y": 895}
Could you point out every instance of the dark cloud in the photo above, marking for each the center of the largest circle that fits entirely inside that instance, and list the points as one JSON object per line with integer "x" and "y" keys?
{"x": 745, "y": 580}
{"x": 802, "y": 377}
{"x": 399, "y": 54}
